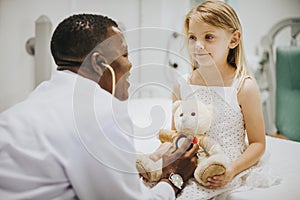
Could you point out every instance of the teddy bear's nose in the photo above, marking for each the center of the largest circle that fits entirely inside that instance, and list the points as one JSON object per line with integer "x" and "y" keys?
{"x": 184, "y": 118}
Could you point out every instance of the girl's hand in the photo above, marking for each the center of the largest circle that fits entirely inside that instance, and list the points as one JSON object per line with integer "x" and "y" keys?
{"x": 220, "y": 181}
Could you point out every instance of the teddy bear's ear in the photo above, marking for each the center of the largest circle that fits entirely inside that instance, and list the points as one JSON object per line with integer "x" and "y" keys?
{"x": 176, "y": 104}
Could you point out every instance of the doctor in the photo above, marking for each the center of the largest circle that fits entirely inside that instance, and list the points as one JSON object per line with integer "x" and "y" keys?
{"x": 71, "y": 139}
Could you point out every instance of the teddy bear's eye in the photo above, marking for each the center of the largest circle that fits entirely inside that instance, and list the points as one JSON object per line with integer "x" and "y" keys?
{"x": 193, "y": 113}
{"x": 181, "y": 114}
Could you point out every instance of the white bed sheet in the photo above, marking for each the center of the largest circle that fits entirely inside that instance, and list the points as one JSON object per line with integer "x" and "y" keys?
{"x": 284, "y": 154}
{"x": 284, "y": 162}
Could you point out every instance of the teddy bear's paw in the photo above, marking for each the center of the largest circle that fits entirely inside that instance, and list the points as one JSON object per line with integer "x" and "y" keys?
{"x": 160, "y": 151}
{"x": 149, "y": 170}
{"x": 208, "y": 171}
{"x": 143, "y": 170}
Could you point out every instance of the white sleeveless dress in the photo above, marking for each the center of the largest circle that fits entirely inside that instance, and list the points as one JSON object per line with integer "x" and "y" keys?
{"x": 228, "y": 129}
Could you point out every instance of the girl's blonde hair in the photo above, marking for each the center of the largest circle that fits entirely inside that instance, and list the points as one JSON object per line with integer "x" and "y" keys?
{"x": 221, "y": 15}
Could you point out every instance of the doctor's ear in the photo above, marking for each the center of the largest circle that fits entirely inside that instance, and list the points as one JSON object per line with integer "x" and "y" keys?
{"x": 97, "y": 61}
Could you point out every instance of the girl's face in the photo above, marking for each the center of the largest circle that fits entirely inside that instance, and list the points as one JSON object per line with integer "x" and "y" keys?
{"x": 207, "y": 44}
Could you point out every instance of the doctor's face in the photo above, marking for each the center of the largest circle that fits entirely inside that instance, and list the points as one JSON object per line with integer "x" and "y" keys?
{"x": 116, "y": 53}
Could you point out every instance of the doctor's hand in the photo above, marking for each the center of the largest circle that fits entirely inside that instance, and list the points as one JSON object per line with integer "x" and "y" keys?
{"x": 182, "y": 161}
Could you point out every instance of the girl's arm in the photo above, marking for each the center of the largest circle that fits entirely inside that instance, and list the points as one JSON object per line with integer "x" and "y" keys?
{"x": 249, "y": 100}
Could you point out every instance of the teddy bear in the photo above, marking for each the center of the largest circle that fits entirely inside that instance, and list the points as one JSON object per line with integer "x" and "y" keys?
{"x": 191, "y": 117}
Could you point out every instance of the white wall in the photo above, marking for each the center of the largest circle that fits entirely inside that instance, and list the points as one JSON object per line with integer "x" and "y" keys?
{"x": 159, "y": 20}
{"x": 258, "y": 16}
{"x": 17, "y": 25}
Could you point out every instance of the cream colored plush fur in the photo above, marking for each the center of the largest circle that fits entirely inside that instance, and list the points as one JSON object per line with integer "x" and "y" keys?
{"x": 191, "y": 117}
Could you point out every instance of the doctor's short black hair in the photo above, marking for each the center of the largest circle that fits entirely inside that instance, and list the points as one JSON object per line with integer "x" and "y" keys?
{"x": 76, "y": 36}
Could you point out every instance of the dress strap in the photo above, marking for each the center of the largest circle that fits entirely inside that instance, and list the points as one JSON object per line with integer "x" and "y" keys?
{"x": 241, "y": 81}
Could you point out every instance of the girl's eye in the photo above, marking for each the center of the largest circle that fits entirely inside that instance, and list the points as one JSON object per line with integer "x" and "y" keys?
{"x": 125, "y": 55}
{"x": 192, "y": 37}
{"x": 181, "y": 114}
{"x": 209, "y": 37}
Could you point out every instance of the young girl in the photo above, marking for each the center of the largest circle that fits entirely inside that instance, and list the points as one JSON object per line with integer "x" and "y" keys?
{"x": 220, "y": 77}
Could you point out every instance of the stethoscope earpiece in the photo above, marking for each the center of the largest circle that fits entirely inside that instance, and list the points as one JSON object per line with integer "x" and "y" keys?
{"x": 103, "y": 67}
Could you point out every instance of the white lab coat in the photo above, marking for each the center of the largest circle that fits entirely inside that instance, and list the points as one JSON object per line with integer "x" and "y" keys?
{"x": 70, "y": 140}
